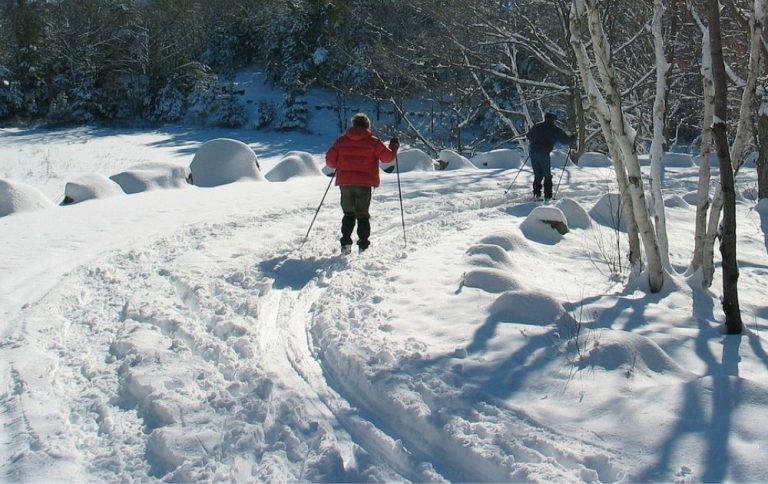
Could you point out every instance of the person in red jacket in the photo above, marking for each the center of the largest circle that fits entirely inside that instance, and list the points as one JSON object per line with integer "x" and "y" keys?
{"x": 355, "y": 156}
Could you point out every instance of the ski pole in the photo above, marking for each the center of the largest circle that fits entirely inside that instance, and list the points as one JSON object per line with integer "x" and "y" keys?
{"x": 400, "y": 193}
{"x": 567, "y": 157}
{"x": 318, "y": 207}
{"x": 518, "y": 173}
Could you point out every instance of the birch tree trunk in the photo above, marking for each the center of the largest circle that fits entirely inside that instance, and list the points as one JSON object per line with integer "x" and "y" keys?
{"x": 625, "y": 138}
{"x": 743, "y": 133}
{"x": 657, "y": 145}
{"x": 602, "y": 113}
{"x": 762, "y": 160}
{"x": 705, "y": 173}
{"x": 730, "y": 298}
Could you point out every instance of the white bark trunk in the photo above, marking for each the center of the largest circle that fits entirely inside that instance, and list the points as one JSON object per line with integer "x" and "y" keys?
{"x": 705, "y": 173}
{"x": 625, "y": 137}
{"x": 657, "y": 146}
{"x": 601, "y": 111}
{"x": 743, "y": 135}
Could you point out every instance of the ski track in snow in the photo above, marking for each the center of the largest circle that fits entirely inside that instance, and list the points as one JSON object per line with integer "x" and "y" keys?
{"x": 202, "y": 360}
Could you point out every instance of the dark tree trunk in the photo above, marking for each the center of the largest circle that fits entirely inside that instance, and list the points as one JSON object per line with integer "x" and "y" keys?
{"x": 728, "y": 225}
{"x": 762, "y": 159}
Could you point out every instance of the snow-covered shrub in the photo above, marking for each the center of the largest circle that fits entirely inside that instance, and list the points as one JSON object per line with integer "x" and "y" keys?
{"x": 608, "y": 211}
{"x": 593, "y": 159}
{"x": 410, "y": 160}
{"x": 292, "y": 165}
{"x": 450, "y": 160}
{"x": 18, "y": 197}
{"x": 503, "y": 158}
{"x": 545, "y": 224}
{"x": 221, "y": 161}
{"x": 88, "y": 187}
{"x": 266, "y": 114}
{"x": 294, "y": 113}
{"x": 10, "y": 94}
{"x": 152, "y": 176}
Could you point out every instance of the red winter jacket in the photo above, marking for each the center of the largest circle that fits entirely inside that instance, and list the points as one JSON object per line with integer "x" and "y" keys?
{"x": 356, "y": 155}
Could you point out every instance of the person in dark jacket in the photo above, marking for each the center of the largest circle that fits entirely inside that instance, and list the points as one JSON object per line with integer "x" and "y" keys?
{"x": 543, "y": 137}
{"x": 355, "y": 156}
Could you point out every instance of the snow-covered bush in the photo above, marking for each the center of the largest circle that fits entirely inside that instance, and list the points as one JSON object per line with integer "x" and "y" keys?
{"x": 221, "y": 161}
{"x": 88, "y": 187}
{"x": 266, "y": 114}
{"x": 593, "y": 159}
{"x": 295, "y": 113}
{"x": 152, "y": 176}
{"x": 292, "y": 165}
{"x": 503, "y": 158}
{"x": 545, "y": 224}
{"x": 450, "y": 160}
{"x": 18, "y": 197}
{"x": 412, "y": 159}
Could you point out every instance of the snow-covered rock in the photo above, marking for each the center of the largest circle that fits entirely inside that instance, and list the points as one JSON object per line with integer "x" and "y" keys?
{"x": 450, "y": 160}
{"x": 292, "y": 165}
{"x": 502, "y": 158}
{"x": 575, "y": 214}
{"x": 18, "y": 197}
{"x": 545, "y": 224}
{"x": 608, "y": 212}
{"x": 88, "y": 187}
{"x": 221, "y": 161}
{"x": 593, "y": 159}
{"x": 152, "y": 176}
{"x": 412, "y": 159}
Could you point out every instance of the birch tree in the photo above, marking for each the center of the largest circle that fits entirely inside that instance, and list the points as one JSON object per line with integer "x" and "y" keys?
{"x": 730, "y": 299}
{"x": 623, "y": 134}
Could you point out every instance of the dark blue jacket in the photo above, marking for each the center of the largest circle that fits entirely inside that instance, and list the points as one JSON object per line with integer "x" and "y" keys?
{"x": 543, "y": 136}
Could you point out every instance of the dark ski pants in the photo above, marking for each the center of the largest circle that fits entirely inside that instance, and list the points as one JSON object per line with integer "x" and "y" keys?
{"x": 355, "y": 202}
{"x": 542, "y": 171}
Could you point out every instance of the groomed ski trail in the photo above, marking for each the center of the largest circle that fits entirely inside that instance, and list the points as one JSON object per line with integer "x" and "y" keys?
{"x": 203, "y": 359}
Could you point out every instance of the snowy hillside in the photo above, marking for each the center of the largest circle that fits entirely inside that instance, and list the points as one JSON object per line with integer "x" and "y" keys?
{"x": 188, "y": 334}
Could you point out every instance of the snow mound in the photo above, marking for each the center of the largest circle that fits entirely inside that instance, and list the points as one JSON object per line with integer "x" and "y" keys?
{"x": 714, "y": 161}
{"x": 575, "y": 214}
{"x": 750, "y": 161}
{"x": 545, "y": 224}
{"x": 293, "y": 165}
{"x": 89, "y": 187}
{"x": 608, "y": 212}
{"x": 558, "y": 158}
{"x": 454, "y": 161}
{"x": 677, "y": 160}
{"x": 491, "y": 280}
{"x": 503, "y": 158}
{"x": 221, "y": 161}
{"x": 593, "y": 159}
{"x": 152, "y": 176}
{"x": 762, "y": 207}
{"x": 506, "y": 240}
{"x": 620, "y": 350}
{"x": 692, "y": 198}
{"x": 488, "y": 255}
{"x": 526, "y": 307}
{"x": 675, "y": 201}
{"x": 410, "y": 160}
{"x": 18, "y": 197}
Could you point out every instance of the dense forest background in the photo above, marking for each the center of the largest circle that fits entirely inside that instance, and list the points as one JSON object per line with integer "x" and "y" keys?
{"x": 488, "y": 67}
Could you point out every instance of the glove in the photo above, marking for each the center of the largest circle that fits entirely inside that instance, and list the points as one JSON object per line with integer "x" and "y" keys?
{"x": 394, "y": 144}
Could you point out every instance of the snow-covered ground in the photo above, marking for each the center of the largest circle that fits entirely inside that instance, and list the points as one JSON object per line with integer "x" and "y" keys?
{"x": 188, "y": 334}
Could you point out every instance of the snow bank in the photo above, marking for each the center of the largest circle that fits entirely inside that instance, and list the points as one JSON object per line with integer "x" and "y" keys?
{"x": 152, "y": 176}
{"x": 293, "y": 165}
{"x": 89, "y": 187}
{"x": 503, "y": 158}
{"x": 608, "y": 212}
{"x": 19, "y": 197}
{"x": 593, "y": 159}
{"x": 575, "y": 214}
{"x": 221, "y": 161}
{"x": 630, "y": 352}
{"x": 677, "y": 160}
{"x": 410, "y": 160}
{"x": 450, "y": 160}
{"x": 545, "y": 224}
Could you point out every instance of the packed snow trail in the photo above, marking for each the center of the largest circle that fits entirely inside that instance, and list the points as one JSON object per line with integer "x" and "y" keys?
{"x": 203, "y": 358}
